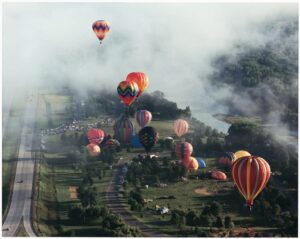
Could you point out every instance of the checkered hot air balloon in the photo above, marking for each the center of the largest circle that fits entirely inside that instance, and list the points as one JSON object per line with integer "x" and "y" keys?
{"x": 148, "y": 137}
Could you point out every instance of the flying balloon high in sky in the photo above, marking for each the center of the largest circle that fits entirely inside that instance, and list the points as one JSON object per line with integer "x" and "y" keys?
{"x": 101, "y": 29}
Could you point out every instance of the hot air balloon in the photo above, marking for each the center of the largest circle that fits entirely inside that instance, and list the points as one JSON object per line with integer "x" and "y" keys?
{"x": 123, "y": 130}
{"x": 193, "y": 164}
{"x": 148, "y": 137}
{"x": 143, "y": 117}
{"x": 250, "y": 174}
{"x": 101, "y": 29}
{"x": 135, "y": 142}
{"x": 183, "y": 150}
{"x": 95, "y": 136}
{"x": 127, "y": 92}
{"x": 201, "y": 163}
{"x": 111, "y": 144}
{"x": 241, "y": 153}
{"x": 226, "y": 159}
{"x": 140, "y": 78}
{"x": 180, "y": 127}
{"x": 93, "y": 149}
{"x": 218, "y": 175}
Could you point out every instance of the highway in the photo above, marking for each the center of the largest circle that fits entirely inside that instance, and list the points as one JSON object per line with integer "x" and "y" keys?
{"x": 20, "y": 206}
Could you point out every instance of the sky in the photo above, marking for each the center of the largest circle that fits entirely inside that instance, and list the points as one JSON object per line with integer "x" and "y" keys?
{"x": 173, "y": 43}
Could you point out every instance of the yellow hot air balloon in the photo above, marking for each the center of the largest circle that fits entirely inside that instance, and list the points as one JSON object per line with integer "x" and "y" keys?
{"x": 93, "y": 149}
{"x": 240, "y": 154}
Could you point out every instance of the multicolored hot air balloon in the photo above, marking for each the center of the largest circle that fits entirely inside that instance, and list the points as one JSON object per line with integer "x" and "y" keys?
{"x": 201, "y": 163}
{"x": 193, "y": 164}
{"x": 180, "y": 127}
{"x": 143, "y": 117}
{"x": 148, "y": 137}
{"x": 111, "y": 144}
{"x": 183, "y": 150}
{"x": 95, "y": 136}
{"x": 240, "y": 154}
{"x": 250, "y": 174}
{"x": 140, "y": 78}
{"x": 226, "y": 159}
{"x": 127, "y": 92}
{"x": 218, "y": 175}
{"x": 101, "y": 29}
{"x": 93, "y": 149}
{"x": 123, "y": 130}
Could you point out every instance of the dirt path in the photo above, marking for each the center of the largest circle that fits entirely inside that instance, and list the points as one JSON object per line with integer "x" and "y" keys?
{"x": 203, "y": 192}
{"x": 114, "y": 202}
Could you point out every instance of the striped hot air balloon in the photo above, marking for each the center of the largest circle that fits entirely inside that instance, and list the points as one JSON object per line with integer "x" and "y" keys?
{"x": 127, "y": 92}
{"x": 180, "y": 127}
{"x": 123, "y": 130}
{"x": 93, "y": 149}
{"x": 95, "y": 136}
{"x": 183, "y": 150}
{"x": 250, "y": 174}
{"x": 143, "y": 117}
{"x": 141, "y": 79}
{"x": 101, "y": 29}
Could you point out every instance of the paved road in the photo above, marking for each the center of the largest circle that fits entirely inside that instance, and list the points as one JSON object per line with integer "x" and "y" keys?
{"x": 115, "y": 204}
{"x": 20, "y": 206}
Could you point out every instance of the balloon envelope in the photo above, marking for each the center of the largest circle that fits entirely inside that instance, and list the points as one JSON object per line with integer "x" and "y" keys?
{"x": 93, "y": 149}
{"x": 180, "y": 127}
{"x": 95, "y": 136}
{"x": 250, "y": 174}
{"x": 218, "y": 175}
{"x": 201, "y": 163}
{"x": 241, "y": 153}
{"x": 127, "y": 92}
{"x": 193, "y": 164}
{"x": 101, "y": 29}
{"x": 148, "y": 137}
{"x": 226, "y": 159}
{"x": 123, "y": 129}
{"x": 183, "y": 150}
{"x": 135, "y": 142}
{"x": 143, "y": 117}
{"x": 140, "y": 78}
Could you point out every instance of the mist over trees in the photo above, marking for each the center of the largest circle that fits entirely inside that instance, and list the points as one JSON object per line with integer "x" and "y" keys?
{"x": 263, "y": 80}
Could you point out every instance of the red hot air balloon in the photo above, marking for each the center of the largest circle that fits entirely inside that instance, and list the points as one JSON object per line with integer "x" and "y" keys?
{"x": 180, "y": 127}
{"x": 143, "y": 117}
{"x": 101, "y": 29}
{"x": 95, "y": 136}
{"x": 250, "y": 174}
{"x": 140, "y": 78}
{"x": 127, "y": 92}
{"x": 218, "y": 175}
{"x": 183, "y": 150}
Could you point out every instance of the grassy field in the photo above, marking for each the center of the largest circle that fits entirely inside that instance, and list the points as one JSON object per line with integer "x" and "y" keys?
{"x": 10, "y": 146}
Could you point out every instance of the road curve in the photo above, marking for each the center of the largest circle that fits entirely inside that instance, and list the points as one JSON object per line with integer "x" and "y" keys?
{"x": 114, "y": 202}
{"x": 20, "y": 206}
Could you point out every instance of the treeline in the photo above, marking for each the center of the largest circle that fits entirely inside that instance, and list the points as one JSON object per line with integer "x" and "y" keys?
{"x": 109, "y": 102}
{"x": 264, "y": 79}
